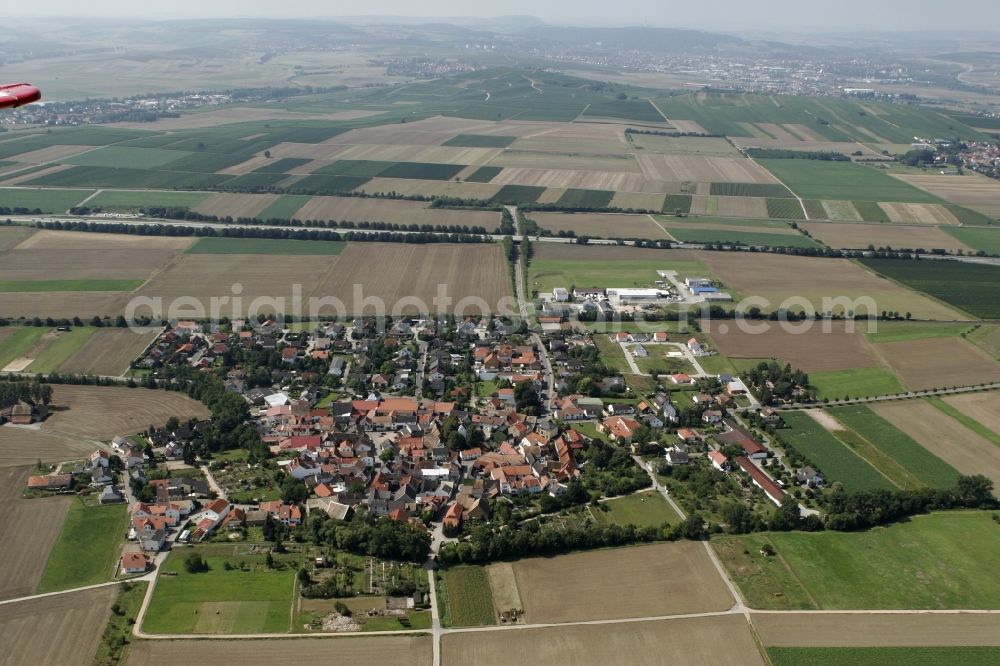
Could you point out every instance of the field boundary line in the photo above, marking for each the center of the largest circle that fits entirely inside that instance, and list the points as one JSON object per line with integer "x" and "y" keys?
{"x": 670, "y": 236}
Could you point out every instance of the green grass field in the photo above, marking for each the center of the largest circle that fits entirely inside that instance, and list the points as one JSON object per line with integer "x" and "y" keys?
{"x": 637, "y": 273}
{"x": 855, "y": 383}
{"x": 18, "y": 342}
{"x": 986, "y": 239}
{"x": 127, "y": 158}
{"x": 483, "y": 174}
{"x": 283, "y": 165}
{"x": 68, "y": 285}
{"x": 573, "y": 198}
{"x": 48, "y": 201}
{"x": 132, "y": 199}
{"x": 880, "y": 656}
{"x": 627, "y": 109}
{"x": 969, "y": 287}
{"x": 814, "y": 179}
{"x": 674, "y": 203}
{"x": 62, "y": 348}
{"x": 900, "y": 331}
{"x": 286, "y": 247}
{"x": 480, "y": 141}
{"x": 641, "y": 509}
{"x": 115, "y": 641}
{"x": 320, "y": 183}
{"x": 834, "y": 459}
{"x": 932, "y": 561}
{"x": 914, "y": 458}
{"x": 87, "y": 549}
{"x": 219, "y": 601}
{"x": 285, "y": 207}
{"x": 987, "y": 338}
{"x": 515, "y": 194}
{"x": 468, "y": 597}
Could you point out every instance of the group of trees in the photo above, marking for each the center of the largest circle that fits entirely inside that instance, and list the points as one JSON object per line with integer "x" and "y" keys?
{"x": 34, "y": 392}
{"x": 367, "y": 534}
{"x": 780, "y": 382}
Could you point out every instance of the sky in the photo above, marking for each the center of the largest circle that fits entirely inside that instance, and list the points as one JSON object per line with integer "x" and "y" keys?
{"x": 705, "y": 14}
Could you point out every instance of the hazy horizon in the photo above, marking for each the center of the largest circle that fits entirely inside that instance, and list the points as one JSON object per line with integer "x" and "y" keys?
{"x": 775, "y": 15}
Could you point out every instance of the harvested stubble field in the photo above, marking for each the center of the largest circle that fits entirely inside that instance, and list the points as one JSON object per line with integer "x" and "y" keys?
{"x": 577, "y": 179}
{"x": 216, "y": 118}
{"x": 972, "y": 190}
{"x": 703, "y": 169}
{"x": 108, "y": 351}
{"x": 20, "y": 445}
{"x": 860, "y": 236}
{"x": 981, "y": 407}
{"x": 101, "y": 412}
{"x": 410, "y": 153}
{"x": 684, "y": 145}
{"x": 84, "y": 304}
{"x": 11, "y": 237}
{"x": 67, "y": 255}
{"x": 407, "y": 277}
{"x": 613, "y": 162}
{"x": 29, "y": 529}
{"x": 388, "y": 650}
{"x": 935, "y": 363}
{"x": 50, "y": 154}
{"x": 64, "y": 629}
{"x": 686, "y": 641}
{"x": 778, "y": 277}
{"x": 203, "y": 276}
{"x": 600, "y": 225}
{"x": 430, "y": 188}
{"x": 814, "y": 350}
{"x": 876, "y": 629}
{"x": 235, "y": 205}
{"x": 677, "y": 578}
{"x": 951, "y": 441}
{"x": 913, "y": 213}
{"x": 637, "y": 201}
{"x": 359, "y": 209}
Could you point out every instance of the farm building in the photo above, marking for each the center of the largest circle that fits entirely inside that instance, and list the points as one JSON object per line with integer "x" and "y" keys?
{"x": 761, "y": 480}
{"x": 700, "y": 285}
{"x": 560, "y": 294}
{"x": 635, "y": 295}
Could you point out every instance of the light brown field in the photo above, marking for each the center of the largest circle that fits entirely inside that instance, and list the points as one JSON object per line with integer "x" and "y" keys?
{"x": 63, "y": 629}
{"x": 913, "y": 213}
{"x": 551, "y": 195}
{"x": 11, "y": 237}
{"x": 687, "y": 126}
{"x": 876, "y": 629}
{"x": 56, "y": 255}
{"x": 84, "y": 304}
{"x": 742, "y": 207}
{"x": 245, "y": 114}
{"x": 29, "y": 529}
{"x": 605, "y": 225}
{"x": 563, "y": 143}
{"x": 576, "y": 161}
{"x": 935, "y": 363}
{"x": 358, "y": 209}
{"x": 235, "y": 205}
{"x": 447, "y": 188}
{"x": 50, "y": 154}
{"x": 203, "y": 276}
{"x": 411, "y": 153}
{"x": 702, "y": 168}
{"x": 388, "y": 650}
{"x": 312, "y": 151}
{"x": 109, "y": 351}
{"x": 586, "y": 180}
{"x": 428, "y": 132}
{"x": 101, "y": 412}
{"x": 662, "y": 579}
{"x": 679, "y": 223}
{"x": 407, "y": 278}
{"x": 779, "y": 277}
{"x": 695, "y": 641}
{"x": 981, "y": 407}
{"x": 811, "y": 351}
{"x": 949, "y": 440}
{"x": 860, "y": 236}
{"x": 503, "y": 585}
{"x": 637, "y": 201}
{"x": 972, "y": 190}
{"x": 21, "y": 445}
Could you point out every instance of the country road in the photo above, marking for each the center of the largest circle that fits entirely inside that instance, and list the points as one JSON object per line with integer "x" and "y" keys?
{"x": 895, "y": 396}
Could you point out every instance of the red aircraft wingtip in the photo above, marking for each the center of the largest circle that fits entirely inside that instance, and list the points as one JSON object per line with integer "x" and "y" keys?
{"x": 18, "y": 94}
